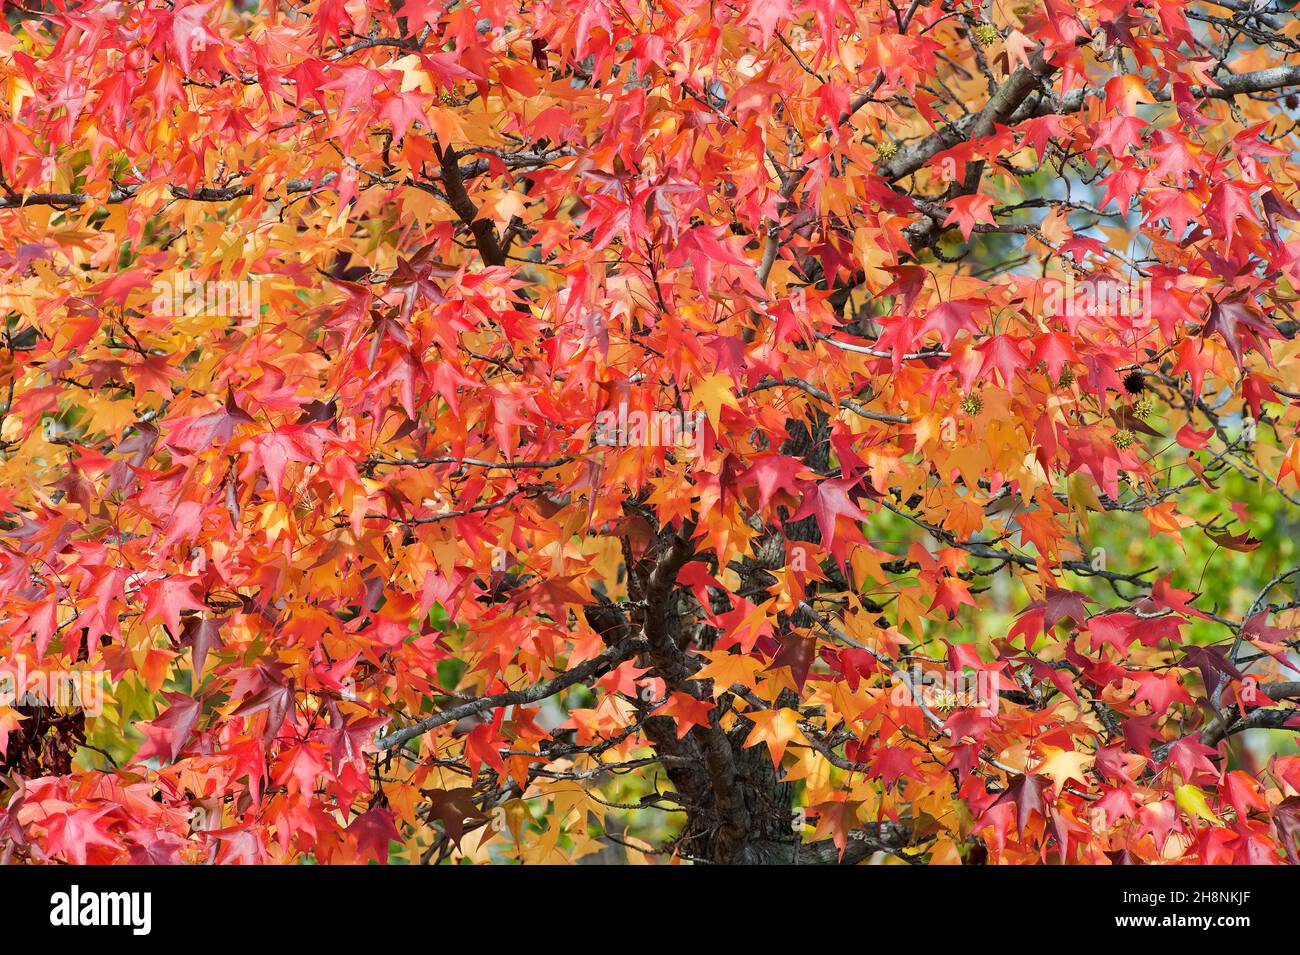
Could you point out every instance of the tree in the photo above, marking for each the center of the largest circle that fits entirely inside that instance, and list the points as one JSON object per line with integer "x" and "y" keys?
{"x": 746, "y": 432}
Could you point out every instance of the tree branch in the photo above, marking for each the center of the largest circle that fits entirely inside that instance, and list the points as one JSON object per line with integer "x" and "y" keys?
{"x": 538, "y": 691}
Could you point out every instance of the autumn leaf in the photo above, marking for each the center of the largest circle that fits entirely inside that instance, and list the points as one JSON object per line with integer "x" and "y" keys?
{"x": 437, "y": 419}
{"x": 969, "y": 211}
{"x": 777, "y": 729}
{"x": 167, "y": 735}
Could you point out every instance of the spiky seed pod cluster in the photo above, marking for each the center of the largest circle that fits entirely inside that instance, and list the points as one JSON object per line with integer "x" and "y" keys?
{"x": 972, "y": 404}
{"x": 943, "y": 700}
{"x": 1134, "y": 382}
{"x": 987, "y": 34}
{"x": 1124, "y": 438}
{"x": 1064, "y": 380}
{"x": 1144, "y": 407}
{"x": 885, "y": 150}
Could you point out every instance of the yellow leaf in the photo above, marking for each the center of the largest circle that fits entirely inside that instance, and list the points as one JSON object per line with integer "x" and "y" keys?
{"x": 711, "y": 393}
{"x": 1063, "y": 765}
{"x": 945, "y": 853}
{"x": 1191, "y": 800}
{"x": 1083, "y": 497}
{"x": 725, "y": 669}
{"x": 501, "y": 205}
{"x": 776, "y": 728}
{"x": 1055, "y": 228}
{"x": 413, "y": 78}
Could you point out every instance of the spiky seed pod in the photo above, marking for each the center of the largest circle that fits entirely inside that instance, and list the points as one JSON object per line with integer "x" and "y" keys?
{"x": 1134, "y": 382}
{"x": 943, "y": 700}
{"x": 987, "y": 34}
{"x": 1067, "y": 377}
{"x": 1144, "y": 407}
{"x": 885, "y": 150}
{"x": 1124, "y": 438}
{"x": 972, "y": 404}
